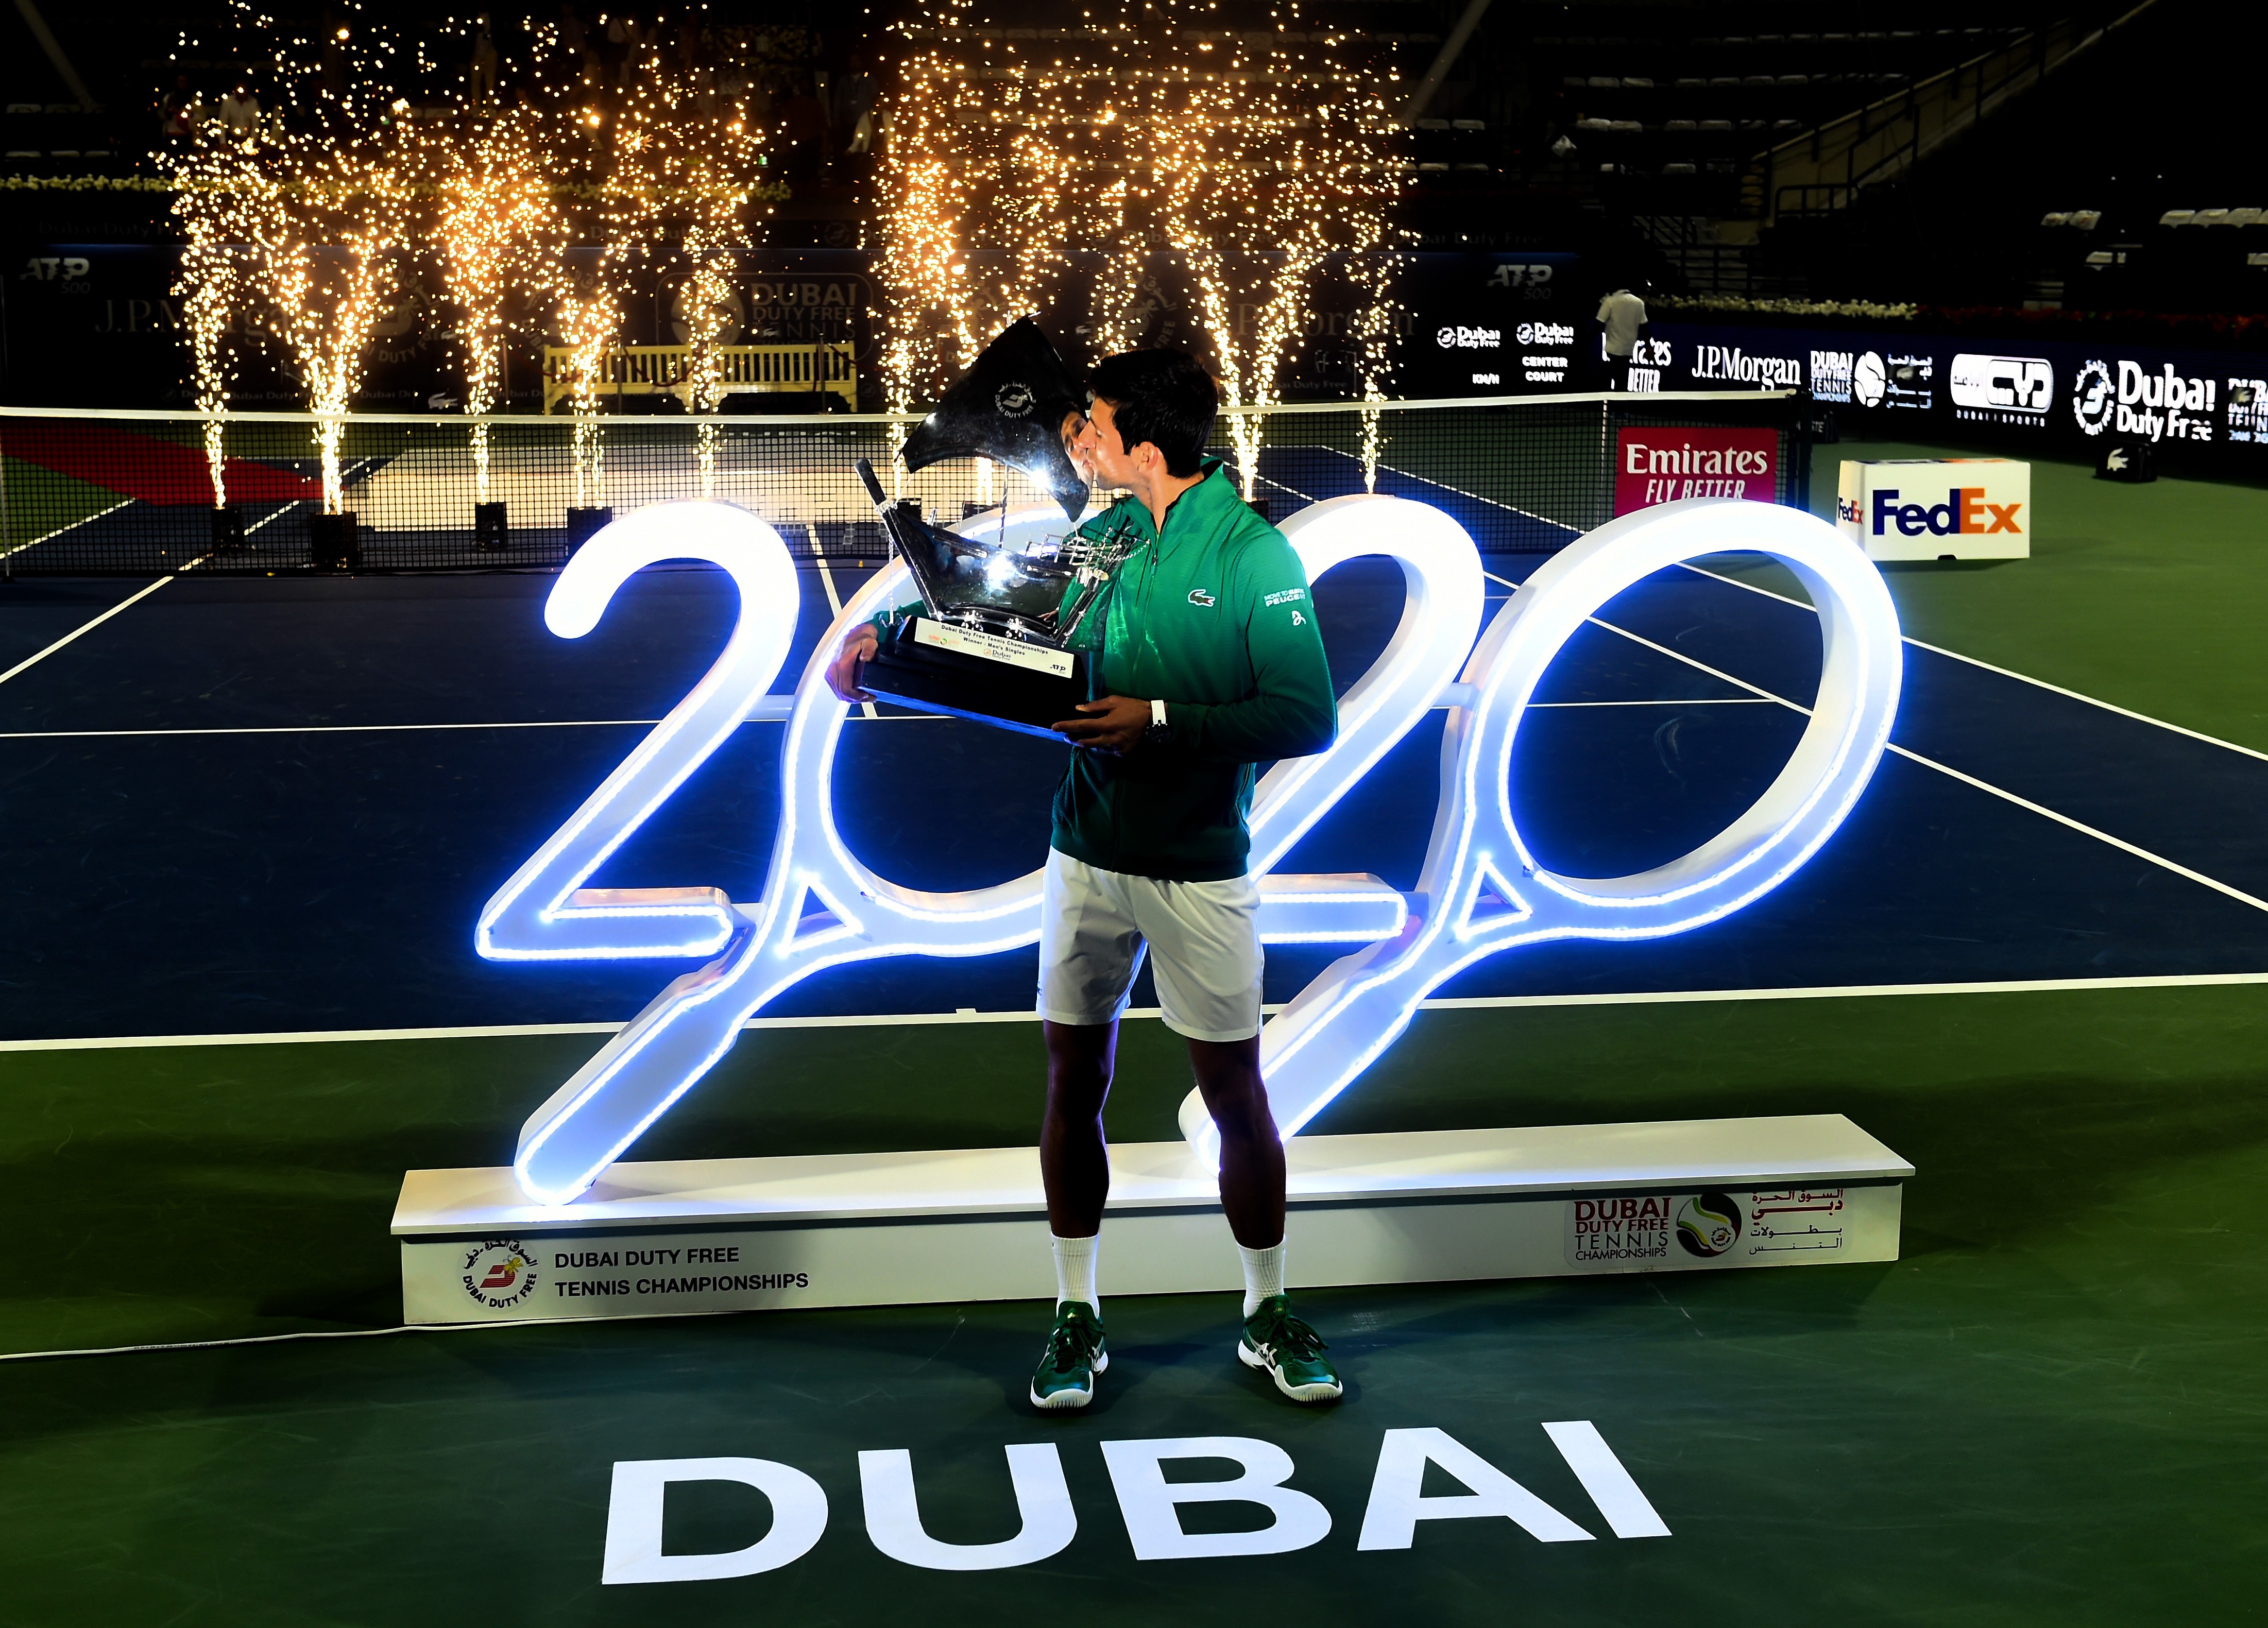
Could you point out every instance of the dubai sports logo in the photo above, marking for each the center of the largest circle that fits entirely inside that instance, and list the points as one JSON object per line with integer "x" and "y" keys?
{"x": 2092, "y": 398}
{"x": 500, "y": 1274}
{"x": 1709, "y": 1225}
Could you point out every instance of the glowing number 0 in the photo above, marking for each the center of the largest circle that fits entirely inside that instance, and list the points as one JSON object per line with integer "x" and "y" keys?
{"x": 821, "y": 906}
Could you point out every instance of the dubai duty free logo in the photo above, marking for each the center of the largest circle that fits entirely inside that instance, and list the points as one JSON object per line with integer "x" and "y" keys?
{"x": 2093, "y": 398}
{"x": 500, "y": 1274}
{"x": 1709, "y": 1225}
{"x": 1013, "y": 400}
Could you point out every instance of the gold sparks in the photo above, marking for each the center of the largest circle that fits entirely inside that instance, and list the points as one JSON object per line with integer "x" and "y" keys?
{"x": 302, "y": 229}
{"x": 1257, "y": 162}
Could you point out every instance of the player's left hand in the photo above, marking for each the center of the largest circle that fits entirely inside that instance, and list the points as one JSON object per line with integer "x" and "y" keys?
{"x": 1114, "y": 725}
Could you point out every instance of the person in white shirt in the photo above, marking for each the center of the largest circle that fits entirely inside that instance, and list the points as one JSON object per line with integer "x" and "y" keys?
{"x": 239, "y": 110}
{"x": 1622, "y": 319}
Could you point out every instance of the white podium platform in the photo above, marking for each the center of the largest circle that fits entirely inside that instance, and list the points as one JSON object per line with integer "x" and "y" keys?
{"x": 884, "y": 1229}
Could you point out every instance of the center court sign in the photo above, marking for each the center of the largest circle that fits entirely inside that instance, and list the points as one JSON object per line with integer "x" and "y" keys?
{"x": 1149, "y": 1503}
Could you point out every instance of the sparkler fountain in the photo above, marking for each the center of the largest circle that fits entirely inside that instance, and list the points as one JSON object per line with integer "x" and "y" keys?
{"x": 1252, "y": 158}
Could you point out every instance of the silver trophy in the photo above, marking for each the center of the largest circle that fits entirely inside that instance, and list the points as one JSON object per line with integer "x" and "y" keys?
{"x": 992, "y": 642}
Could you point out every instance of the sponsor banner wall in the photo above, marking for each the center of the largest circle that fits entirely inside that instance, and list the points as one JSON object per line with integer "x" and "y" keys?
{"x": 2060, "y": 399}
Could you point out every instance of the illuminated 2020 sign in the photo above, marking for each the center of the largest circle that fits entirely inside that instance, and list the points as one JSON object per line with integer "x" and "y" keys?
{"x": 1481, "y": 893}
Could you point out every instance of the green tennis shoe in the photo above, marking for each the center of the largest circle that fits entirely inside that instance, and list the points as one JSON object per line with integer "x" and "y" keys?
{"x": 1076, "y": 1353}
{"x": 1288, "y": 1352}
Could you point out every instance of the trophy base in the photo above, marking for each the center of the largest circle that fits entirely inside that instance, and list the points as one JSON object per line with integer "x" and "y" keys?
{"x": 932, "y": 668}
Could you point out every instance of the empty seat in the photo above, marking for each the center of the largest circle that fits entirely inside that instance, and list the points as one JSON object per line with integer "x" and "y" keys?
{"x": 2210, "y": 218}
{"x": 2244, "y": 217}
{"x": 2176, "y": 217}
{"x": 1680, "y": 124}
{"x": 1630, "y": 84}
{"x": 1678, "y": 169}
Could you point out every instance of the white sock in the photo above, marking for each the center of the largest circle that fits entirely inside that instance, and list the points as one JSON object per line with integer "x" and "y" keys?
{"x": 1263, "y": 1275}
{"x": 1075, "y": 1271}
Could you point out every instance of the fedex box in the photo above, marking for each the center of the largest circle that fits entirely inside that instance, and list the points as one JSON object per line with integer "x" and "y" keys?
{"x": 1936, "y": 509}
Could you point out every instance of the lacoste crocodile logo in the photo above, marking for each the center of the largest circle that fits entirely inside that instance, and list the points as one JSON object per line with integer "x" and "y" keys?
{"x": 1200, "y": 596}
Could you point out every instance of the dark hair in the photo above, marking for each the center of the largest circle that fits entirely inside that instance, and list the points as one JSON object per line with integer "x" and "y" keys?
{"x": 1162, "y": 397}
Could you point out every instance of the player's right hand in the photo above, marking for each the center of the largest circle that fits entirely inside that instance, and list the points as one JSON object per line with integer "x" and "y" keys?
{"x": 859, "y": 646}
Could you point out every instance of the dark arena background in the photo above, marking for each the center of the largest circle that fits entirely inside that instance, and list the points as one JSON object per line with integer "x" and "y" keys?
{"x": 331, "y": 338}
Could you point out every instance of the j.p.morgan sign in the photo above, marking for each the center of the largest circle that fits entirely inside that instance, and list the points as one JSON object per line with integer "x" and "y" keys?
{"x": 1277, "y": 1517}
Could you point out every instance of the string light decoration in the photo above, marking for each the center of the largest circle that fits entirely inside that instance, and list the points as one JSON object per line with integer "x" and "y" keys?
{"x": 1254, "y": 158}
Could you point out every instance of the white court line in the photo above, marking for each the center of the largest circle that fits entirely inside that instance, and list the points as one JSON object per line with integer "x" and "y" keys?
{"x": 74, "y": 526}
{"x": 901, "y": 1020}
{"x": 2026, "y": 678}
{"x": 2119, "y": 843}
{"x": 322, "y": 1334}
{"x": 769, "y": 710}
{"x": 31, "y": 661}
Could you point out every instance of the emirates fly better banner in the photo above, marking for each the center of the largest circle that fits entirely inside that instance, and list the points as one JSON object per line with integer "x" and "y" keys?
{"x": 1655, "y": 466}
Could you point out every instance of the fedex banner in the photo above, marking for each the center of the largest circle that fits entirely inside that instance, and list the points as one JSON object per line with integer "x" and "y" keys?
{"x": 2063, "y": 399}
{"x": 1935, "y": 509}
{"x": 1655, "y": 465}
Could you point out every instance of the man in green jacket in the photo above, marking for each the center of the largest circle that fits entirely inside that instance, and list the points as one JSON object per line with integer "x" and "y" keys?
{"x": 1212, "y": 664}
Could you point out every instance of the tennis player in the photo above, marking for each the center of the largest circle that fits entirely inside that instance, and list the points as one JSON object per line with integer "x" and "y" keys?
{"x": 1207, "y": 647}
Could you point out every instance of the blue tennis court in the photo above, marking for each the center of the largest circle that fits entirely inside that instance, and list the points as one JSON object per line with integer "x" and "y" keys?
{"x": 290, "y": 798}
{"x": 250, "y": 822}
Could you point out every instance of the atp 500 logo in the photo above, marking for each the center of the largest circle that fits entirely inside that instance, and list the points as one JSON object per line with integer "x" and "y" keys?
{"x": 1481, "y": 892}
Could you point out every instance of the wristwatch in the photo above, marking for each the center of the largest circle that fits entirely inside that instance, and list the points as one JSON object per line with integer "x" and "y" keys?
{"x": 1160, "y": 731}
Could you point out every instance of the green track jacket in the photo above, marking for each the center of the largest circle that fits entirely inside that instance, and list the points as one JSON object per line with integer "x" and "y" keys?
{"x": 1215, "y": 618}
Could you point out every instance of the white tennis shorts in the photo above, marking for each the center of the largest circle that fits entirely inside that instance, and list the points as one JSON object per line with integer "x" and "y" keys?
{"x": 1094, "y": 926}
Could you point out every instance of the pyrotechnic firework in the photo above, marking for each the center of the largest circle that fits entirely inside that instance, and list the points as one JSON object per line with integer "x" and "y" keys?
{"x": 1252, "y": 158}
{"x": 502, "y": 233}
{"x": 211, "y": 270}
{"x": 306, "y": 222}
